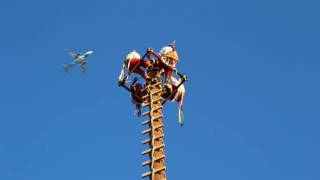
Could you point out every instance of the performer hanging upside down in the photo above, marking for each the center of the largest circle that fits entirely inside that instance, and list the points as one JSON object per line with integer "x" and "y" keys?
{"x": 133, "y": 63}
{"x": 137, "y": 93}
{"x": 176, "y": 94}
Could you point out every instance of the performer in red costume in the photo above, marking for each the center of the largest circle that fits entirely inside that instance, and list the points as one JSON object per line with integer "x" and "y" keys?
{"x": 176, "y": 95}
{"x": 137, "y": 93}
{"x": 133, "y": 63}
{"x": 166, "y": 62}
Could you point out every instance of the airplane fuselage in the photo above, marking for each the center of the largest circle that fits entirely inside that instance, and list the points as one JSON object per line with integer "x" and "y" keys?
{"x": 79, "y": 59}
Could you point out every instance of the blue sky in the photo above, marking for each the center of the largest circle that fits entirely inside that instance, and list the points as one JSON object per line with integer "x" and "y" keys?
{"x": 252, "y": 102}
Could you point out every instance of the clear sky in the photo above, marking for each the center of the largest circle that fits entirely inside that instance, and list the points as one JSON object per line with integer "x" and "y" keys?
{"x": 252, "y": 106}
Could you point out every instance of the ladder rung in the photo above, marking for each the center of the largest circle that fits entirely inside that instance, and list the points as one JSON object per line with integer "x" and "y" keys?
{"x": 146, "y": 131}
{"x": 160, "y": 157}
{"x": 158, "y": 99}
{"x": 146, "y": 141}
{"x": 157, "y": 91}
{"x": 157, "y": 117}
{"x": 150, "y": 150}
{"x": 149, "y": 140}
{"x": 158, "y": 147}
{"x": 145, "y": 122}
{"x": 145, "y": 104}
{"x": 145, "y": 113}
{"x": 146, "y": 163}
{"x": 146, "y": 174}
{"x": 157, "y": 84}
{"x": 155, "y": 159}
{"x": 159, "y": 107}
{"x": 161, "y": 136}
{"x": 155, "y": 171}
{"x": 146, "y": 151}
{"x": 159, "y": 126}
{"x": 155, "y": 109}
{"x": 159, "y": 169}
{"x": 149, "y": 130}
{"x": 145, "y": 96}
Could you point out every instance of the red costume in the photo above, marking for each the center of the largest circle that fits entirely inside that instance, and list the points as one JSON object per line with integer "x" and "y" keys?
{"x": 135, "y": 65}
{"x": 137, "y": 93}
{"x": 167, "y": 69}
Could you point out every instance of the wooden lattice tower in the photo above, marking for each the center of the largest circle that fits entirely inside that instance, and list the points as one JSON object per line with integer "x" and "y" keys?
{"x": 155, "y": 151}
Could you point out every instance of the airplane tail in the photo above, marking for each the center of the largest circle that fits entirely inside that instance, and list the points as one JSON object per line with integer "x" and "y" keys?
{"x": 65, "y": 67}
{"x": 82, "y": 66}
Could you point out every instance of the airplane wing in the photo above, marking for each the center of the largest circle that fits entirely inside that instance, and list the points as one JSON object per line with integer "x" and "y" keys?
{"x": 72, "y": 53}
{"x": 82, "y": 67}
{"x": 86, "y": 54}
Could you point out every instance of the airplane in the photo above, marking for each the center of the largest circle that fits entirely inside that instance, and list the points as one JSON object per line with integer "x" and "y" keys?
{"x": 79, "y": 58}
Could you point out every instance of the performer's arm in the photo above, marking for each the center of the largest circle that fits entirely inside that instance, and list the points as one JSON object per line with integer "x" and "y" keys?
{"x": 150, "y": 51}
